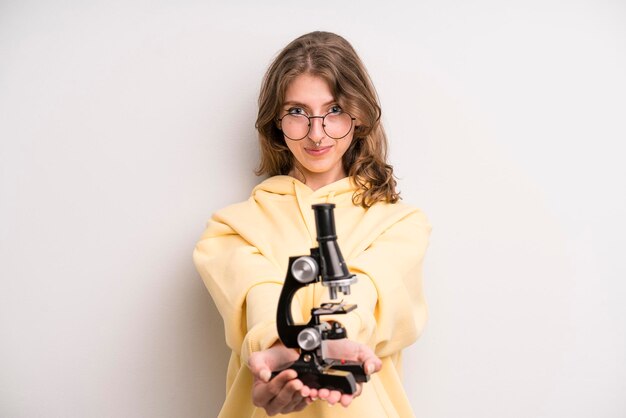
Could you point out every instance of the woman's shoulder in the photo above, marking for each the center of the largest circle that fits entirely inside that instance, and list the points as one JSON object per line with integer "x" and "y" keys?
{"x": 390, "y": 219}
{"x": 249, "y": 211}
{"x": 396, "y": 212}
{"x": 235, "y": 213}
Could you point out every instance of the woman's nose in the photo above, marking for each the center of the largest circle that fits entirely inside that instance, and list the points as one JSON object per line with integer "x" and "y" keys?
{"x": 316, "y": 131}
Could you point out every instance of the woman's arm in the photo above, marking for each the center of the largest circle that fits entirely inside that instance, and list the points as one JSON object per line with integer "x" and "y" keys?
{"x": 244, "y": 284}
{"x": 392, "y": 310}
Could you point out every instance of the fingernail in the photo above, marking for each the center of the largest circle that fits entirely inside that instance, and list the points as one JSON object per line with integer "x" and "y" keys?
{"x": 370, "y": 368}
{"x": 265, "y": 375}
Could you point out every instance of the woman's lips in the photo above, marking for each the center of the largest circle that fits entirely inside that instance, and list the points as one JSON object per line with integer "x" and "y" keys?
{"x": 318, "y": 151}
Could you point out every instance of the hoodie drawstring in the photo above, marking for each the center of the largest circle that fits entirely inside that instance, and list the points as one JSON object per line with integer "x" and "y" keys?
{"x": 305, "y": 212}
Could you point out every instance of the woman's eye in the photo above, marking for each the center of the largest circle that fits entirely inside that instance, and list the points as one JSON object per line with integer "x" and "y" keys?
{"x": 296, "y": 111}
{"x": 335, "y": 109}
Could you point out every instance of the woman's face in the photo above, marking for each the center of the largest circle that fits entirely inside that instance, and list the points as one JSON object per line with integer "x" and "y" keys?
{"x": 317, "y": 155}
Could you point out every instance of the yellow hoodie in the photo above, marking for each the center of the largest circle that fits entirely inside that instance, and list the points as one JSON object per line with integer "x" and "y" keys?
{"x": 242, "y": 258}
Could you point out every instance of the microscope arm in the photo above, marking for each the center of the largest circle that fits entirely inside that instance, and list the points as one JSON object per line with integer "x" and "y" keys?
{"x": 287, "y": 330}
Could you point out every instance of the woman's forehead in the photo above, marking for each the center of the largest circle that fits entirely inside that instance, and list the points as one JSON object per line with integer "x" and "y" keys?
{"x": 309, "y": 89}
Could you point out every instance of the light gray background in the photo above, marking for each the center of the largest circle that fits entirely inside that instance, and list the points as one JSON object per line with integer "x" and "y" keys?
{"x": 125, "y": 124}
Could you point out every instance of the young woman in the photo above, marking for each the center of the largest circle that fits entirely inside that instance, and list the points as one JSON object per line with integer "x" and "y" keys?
{"x": 321, "y": 141}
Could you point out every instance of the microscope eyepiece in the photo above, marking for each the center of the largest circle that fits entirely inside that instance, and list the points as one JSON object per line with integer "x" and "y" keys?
{"x": 325, "y": 222}
{"x": 333, "y": 268}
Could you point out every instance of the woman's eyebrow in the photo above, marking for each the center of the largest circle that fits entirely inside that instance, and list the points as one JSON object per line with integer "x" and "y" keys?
{"x": 296, "y": 103}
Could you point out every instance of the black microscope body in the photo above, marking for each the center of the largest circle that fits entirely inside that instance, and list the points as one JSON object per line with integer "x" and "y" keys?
{"x": 325, "y": 264}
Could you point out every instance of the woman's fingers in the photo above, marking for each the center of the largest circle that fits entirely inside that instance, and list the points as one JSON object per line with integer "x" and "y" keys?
{"x": 277, "y": 357}
{"x": 351, "y": 350}
{"x": 288, "y": 397}
{"x": 263, "y": 393}
{"x": 283, "y": 394}
{"x": 346, "y": 399}
{"x": 257, "y": 363}
{"x": 371, "y": 362}
{"x": 305, "y": 392}
{"x": 333, "y": 397}
{"x": 372, "y": 365}
{"x": 323, "y": 393}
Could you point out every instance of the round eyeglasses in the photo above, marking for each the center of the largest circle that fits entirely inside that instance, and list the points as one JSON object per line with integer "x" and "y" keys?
{"x": 296, "y": 126}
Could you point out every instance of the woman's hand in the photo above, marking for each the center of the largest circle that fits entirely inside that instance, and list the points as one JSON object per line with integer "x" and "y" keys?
{"x": 349, "y": 350}
{"x": 284, "y": 393}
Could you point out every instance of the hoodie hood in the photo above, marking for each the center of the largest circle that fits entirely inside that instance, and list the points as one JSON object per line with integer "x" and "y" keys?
{"x": 290, "y": 186}
{"x": 287, "y": 188}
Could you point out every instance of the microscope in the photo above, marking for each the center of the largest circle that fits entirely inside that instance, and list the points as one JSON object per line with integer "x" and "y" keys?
{"x": 325, "y": 264}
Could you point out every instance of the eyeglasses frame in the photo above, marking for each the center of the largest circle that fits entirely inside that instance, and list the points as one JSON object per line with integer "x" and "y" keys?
{"x": 352, "y": 119}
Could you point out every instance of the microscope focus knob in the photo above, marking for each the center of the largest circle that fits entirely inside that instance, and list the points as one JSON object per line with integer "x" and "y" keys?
{"x": 304, "y": 269}
{"x": 309, "y": 339}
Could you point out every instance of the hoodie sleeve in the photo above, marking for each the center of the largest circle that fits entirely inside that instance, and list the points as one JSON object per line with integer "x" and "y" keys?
{"x": 244, "y": 285}
{"x": 390, "y": 274}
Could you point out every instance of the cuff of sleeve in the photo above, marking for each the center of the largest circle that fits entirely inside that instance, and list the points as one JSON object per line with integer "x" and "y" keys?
{"x": 261, "y": 337}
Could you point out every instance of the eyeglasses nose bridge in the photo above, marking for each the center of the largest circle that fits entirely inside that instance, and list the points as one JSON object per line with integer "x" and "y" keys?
{"x": 323, "y": 118}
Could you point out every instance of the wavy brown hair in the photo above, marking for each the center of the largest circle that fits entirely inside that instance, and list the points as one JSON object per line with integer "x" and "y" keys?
{"x": 332, "y": 58}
